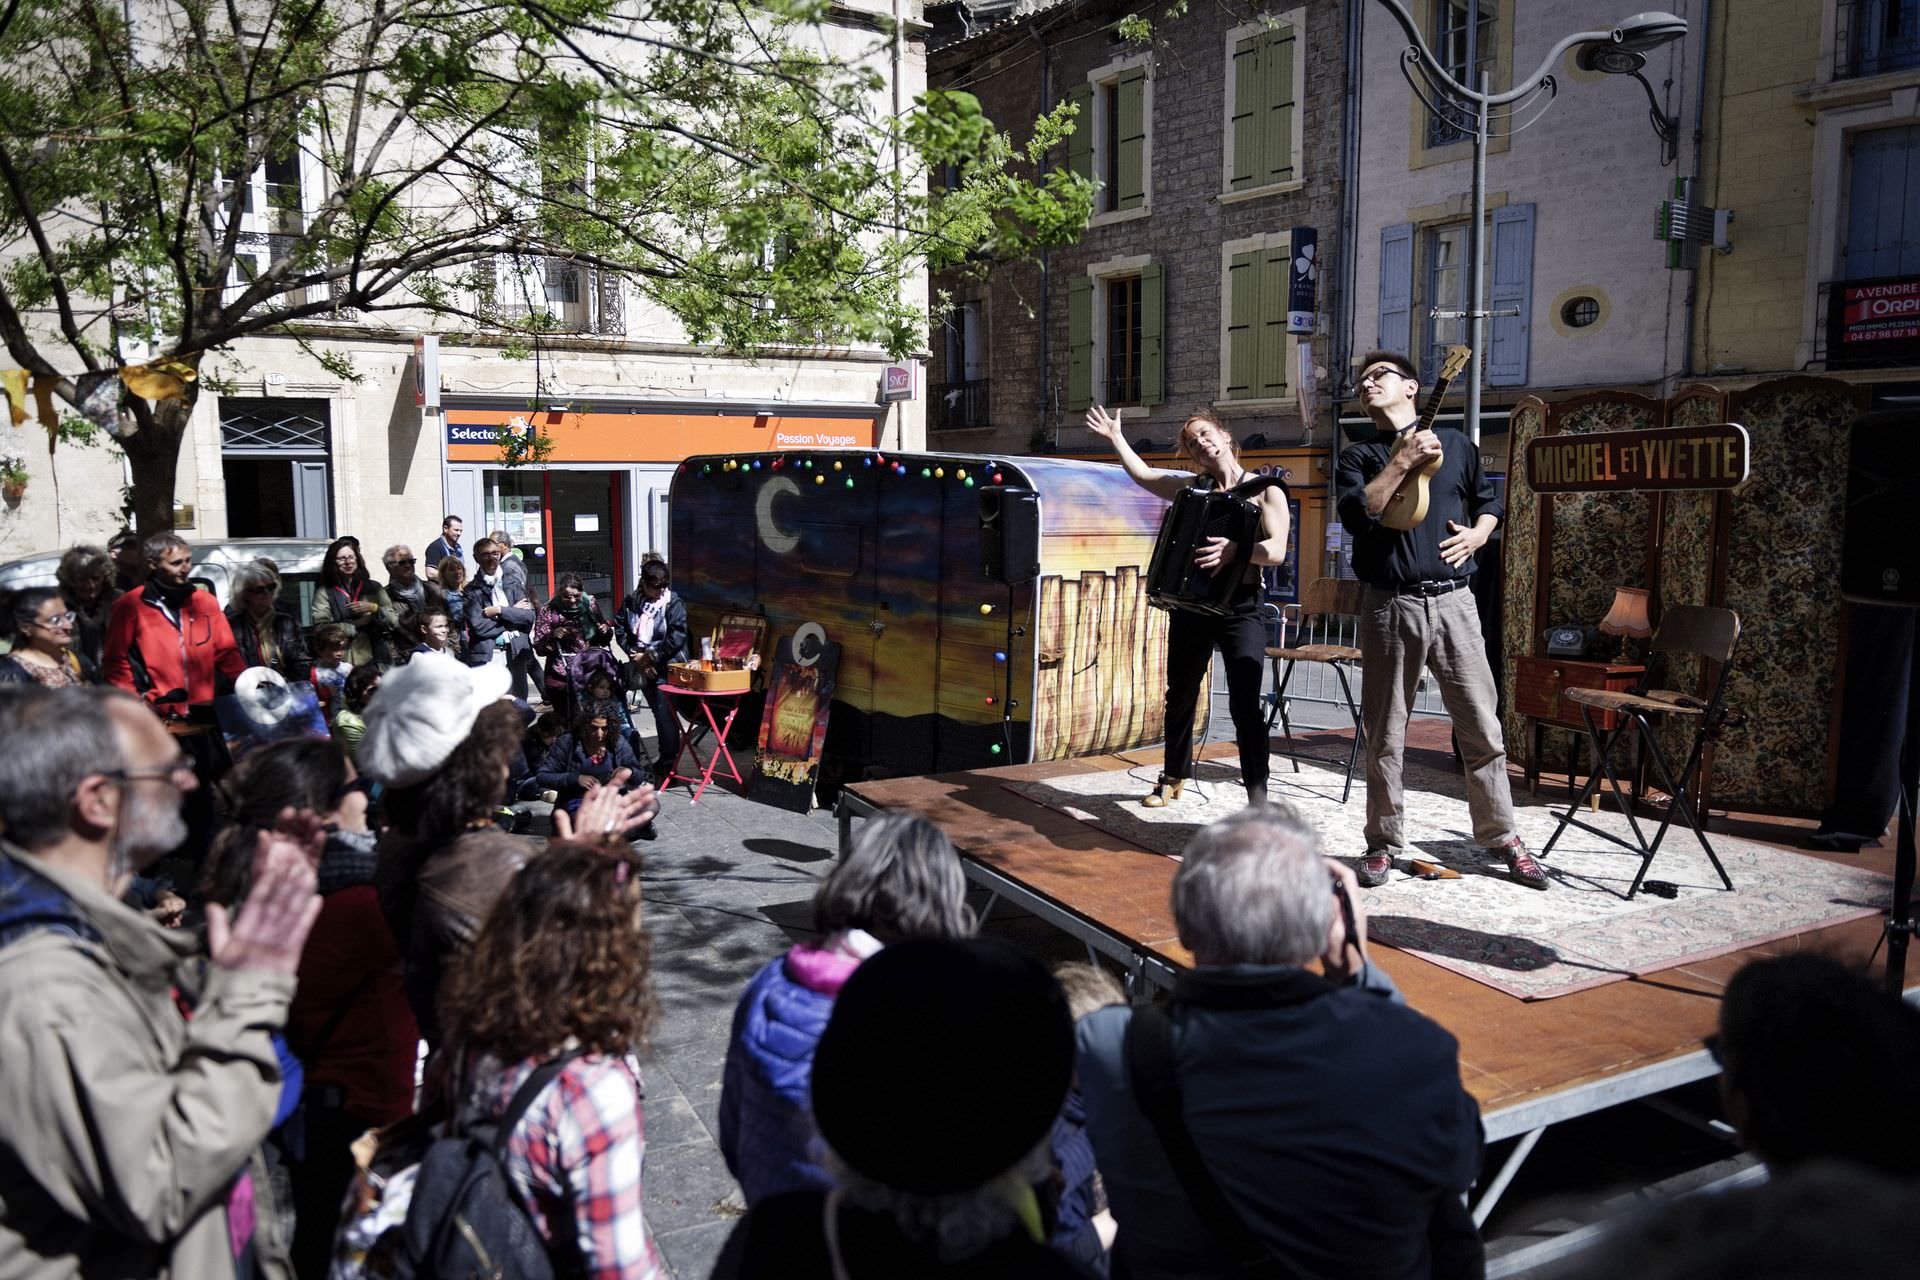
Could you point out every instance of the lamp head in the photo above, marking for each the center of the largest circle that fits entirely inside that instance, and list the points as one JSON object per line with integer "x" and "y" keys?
{"x": 1650, "y": 30}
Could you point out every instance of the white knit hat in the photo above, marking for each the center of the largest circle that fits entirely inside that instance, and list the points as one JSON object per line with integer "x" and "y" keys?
{"x": 422, "y": 712}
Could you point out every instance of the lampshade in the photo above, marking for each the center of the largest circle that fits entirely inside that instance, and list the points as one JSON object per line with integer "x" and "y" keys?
{"x": 1628, "y": 615}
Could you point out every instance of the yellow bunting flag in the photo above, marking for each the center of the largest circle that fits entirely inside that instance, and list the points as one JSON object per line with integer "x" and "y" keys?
{"x": 15, "y": 382}
{"x": 161, "y": 380}
{"x": 43, "y": 385}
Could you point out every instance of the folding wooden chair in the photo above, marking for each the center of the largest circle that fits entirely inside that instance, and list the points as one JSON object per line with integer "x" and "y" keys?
{"x": 1684, "y": 631}
{"x": 1325, "y": 599}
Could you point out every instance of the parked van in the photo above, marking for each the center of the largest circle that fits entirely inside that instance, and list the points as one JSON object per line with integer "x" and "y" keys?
{"x": 299, "y": 561}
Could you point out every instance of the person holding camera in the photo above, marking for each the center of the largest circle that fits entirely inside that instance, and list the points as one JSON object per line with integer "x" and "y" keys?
{"x": 1275, "y": 1120}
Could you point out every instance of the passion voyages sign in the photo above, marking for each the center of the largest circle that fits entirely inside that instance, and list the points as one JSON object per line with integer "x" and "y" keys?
{"x": 1710, "y": 457}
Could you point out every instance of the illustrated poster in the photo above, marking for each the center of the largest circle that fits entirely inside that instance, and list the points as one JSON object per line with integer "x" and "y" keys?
{"x": 793, "y": 728}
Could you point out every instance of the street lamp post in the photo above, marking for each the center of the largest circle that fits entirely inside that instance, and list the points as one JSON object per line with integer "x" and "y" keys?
{"x": 1619, "y": 49}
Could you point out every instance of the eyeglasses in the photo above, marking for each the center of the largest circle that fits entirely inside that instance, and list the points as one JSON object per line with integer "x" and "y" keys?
{"x": 55, "y": 620}
{"x": 259, "y": 589}
{"x": 1372, "y": 377}
{"x": 172, "y": 771}
{"x": 407, "y": 560}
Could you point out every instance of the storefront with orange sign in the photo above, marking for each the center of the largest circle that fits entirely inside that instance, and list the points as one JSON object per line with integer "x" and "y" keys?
{"x": 589, "y": 492}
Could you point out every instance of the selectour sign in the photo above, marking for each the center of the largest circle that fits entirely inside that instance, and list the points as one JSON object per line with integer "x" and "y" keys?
{"x": 1710, "y": 457}
{"x": 472, "y": 433}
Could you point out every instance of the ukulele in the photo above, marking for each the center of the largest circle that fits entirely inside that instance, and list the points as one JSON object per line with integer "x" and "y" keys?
{"x": 1408, "y": 505}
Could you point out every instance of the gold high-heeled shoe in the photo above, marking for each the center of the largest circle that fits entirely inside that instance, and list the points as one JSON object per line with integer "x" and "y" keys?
{"x": 1165, "y": 792}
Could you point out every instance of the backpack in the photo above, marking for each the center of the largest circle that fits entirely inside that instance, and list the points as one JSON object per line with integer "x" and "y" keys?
{"x": 465, "y": 1219}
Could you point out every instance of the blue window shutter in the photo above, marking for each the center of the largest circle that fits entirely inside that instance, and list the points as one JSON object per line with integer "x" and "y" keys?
{"x": 1511, "y": 286}
{"x": 1396, "y": 288}
{"x": 1883, "y": 203}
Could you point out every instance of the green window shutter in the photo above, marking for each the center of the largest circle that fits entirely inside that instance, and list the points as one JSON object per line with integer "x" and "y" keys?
{"x": 1276, "y": 82}
{"x": 1079, "y": 342}
{"x": 1153, "y": 310}
{"x": 1272, "y": 359}
{"x": 1247, "y": 114}
{"x": 1243, "y": 323}
{"x": 1129, "y": 133}
{"x": 1080, "y": 141}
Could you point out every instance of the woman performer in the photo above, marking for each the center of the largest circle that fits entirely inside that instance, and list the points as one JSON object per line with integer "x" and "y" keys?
{"x": 1239, "y": 634}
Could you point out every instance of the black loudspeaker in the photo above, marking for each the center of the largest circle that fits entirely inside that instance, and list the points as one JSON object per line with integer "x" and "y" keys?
{"x": 1880, "y": 556}
{"x": 1009, "y": 534}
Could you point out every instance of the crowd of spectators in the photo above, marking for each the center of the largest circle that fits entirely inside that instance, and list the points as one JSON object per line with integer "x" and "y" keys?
{"x": 361, "y": 942}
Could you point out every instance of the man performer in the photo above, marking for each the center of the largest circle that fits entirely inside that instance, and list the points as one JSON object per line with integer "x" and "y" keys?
{"x": 1239, "y": 634}
{"x": 1419, "y": 615}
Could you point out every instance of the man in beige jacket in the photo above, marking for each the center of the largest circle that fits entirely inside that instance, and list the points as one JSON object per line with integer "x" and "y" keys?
{"x": 138, "y": 1083}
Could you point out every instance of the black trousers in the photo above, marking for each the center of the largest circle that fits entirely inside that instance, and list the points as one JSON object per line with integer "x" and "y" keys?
{"x": 1241, "y": 638}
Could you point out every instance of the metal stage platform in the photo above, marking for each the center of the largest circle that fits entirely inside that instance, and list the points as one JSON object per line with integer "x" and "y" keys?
{"x": 1531, "y": 1064}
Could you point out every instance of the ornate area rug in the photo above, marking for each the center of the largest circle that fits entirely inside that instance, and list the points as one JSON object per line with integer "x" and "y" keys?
{"x": 1581, "y": 933}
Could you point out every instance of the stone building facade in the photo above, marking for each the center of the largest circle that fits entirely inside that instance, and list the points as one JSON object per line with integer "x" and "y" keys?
{"x": 1208, "y": 143}
{"x": 1814, "y": 145}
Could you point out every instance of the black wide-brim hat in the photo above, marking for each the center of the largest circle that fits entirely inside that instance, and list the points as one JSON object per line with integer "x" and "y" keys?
{"x": 945, "y": 1062}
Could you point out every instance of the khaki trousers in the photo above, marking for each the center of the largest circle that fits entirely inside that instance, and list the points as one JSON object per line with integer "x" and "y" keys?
{"x": 1401, "y": 636}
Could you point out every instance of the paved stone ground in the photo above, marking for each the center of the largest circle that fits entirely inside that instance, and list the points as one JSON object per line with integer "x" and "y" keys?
{"x": 729, "y": 885}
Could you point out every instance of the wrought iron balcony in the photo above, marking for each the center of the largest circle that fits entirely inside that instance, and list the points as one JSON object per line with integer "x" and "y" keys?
{"x": 1872, "y": 37}
{"x": 960, "y": 405}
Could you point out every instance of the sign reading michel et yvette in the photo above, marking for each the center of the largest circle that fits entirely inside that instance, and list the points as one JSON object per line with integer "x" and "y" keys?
{"x": 1706, "y": 457}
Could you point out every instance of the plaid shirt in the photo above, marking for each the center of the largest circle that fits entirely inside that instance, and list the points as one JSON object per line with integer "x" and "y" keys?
{"x": 576, "y": 1161}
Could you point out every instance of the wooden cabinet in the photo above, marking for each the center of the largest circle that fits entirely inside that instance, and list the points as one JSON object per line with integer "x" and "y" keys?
{"x": 1538, "y": 684}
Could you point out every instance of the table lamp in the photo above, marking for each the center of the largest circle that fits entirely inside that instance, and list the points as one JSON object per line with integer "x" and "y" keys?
{"x": 1627, "y": 617}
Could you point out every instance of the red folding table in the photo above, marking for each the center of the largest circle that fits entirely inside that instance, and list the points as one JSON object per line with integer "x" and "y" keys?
{"x": 707, "y": 700}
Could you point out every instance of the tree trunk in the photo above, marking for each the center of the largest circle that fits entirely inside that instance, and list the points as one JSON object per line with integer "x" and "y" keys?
{"x": 153, "y": 456}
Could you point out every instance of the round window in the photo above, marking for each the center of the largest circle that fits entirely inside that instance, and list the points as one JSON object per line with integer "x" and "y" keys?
{"x": 1578, "y": 313}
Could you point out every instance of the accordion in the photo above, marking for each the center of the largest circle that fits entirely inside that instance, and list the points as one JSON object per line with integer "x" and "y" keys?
{"x": 1197, "y": 514}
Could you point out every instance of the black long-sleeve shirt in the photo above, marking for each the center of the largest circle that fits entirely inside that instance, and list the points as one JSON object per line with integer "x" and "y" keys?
{"x": 1460, "y": 491}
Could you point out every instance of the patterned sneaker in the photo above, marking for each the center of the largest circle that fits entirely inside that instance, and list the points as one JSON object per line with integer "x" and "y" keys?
{"x": 1521, "y": 866}
{"x": 1374, "y": 869}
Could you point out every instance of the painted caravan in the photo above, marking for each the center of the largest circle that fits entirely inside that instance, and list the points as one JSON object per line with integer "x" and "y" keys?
{"x": 989, "y": 610}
